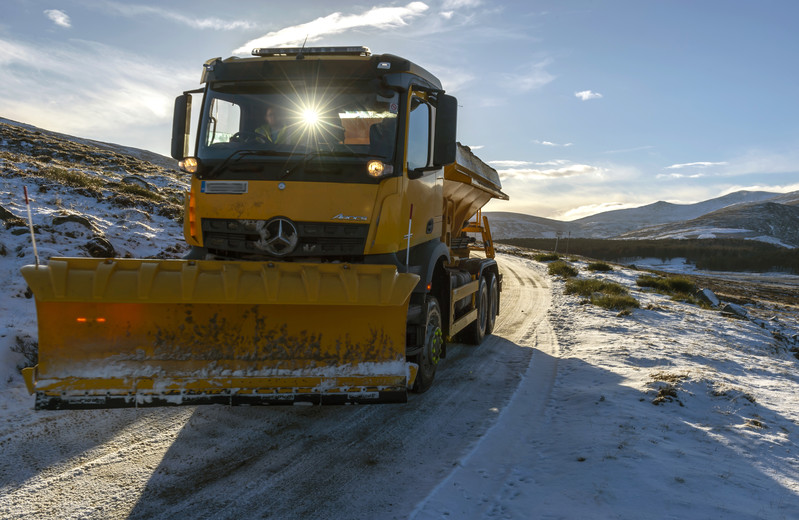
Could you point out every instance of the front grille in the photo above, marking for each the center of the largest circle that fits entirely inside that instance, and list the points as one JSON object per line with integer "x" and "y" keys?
{"x": 314, "y": 238}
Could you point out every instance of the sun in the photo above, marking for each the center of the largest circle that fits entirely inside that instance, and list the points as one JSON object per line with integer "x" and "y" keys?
{"x": 310, "y": 117}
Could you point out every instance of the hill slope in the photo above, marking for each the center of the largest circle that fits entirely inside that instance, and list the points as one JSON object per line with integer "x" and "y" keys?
{"x": 664, "y": 219}
{"x": 766, "y": 221}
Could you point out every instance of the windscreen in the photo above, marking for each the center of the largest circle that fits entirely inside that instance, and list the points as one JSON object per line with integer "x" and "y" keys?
{"x": 298, "y": 119}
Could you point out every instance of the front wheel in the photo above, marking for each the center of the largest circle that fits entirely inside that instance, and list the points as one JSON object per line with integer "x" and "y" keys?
{"x": 430, "y": 355}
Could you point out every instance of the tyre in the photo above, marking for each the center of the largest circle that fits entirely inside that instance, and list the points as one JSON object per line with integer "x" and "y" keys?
{"x": 493, "y": 303}
{"x": 476, "y": 331}
{"x": 433, "y": 346}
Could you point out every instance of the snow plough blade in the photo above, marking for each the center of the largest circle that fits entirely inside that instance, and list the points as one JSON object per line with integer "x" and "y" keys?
{"x": 123, "y": 332}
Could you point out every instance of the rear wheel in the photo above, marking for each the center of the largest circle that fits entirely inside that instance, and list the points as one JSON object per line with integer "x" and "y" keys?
{"x": 476, "y": 330}
{"x": 433, "y": 346}
{"x": 493, "y": 303}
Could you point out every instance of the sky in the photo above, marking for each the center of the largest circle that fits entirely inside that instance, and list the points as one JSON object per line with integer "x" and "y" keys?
{"x": 582, "y": 106}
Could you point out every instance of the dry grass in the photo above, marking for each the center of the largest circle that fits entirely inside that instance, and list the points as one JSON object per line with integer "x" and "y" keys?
{"x": 561, "y": 268}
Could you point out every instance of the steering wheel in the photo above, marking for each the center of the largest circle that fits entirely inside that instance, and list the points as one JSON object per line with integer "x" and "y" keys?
{"x": 246, "y": 137}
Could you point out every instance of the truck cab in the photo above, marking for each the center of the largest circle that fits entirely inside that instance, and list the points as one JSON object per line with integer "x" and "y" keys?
{"x": 354, "y": 153}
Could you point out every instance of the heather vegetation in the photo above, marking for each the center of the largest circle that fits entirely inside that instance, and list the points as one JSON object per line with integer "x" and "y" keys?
{"x": 708, "y": 254}
{"x": 561, "y": 268}
{"x": 603, "y": 293}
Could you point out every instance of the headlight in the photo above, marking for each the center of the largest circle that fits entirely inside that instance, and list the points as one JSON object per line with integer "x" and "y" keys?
{"x": 379, "y": 169}
{"x": 189, "y": 165}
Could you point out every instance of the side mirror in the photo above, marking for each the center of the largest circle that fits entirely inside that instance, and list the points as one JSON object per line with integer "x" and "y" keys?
{"x": 446, "y": 131}
{"x": 181, "y": 127}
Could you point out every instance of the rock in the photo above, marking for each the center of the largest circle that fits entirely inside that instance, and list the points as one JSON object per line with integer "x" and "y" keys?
{"x": 734, "y": 311}
{"x": 10, "y": 219}
{"x": 73, "y": 217}
{"x": 708, "y": 296}
{"x": 99, "y": 247}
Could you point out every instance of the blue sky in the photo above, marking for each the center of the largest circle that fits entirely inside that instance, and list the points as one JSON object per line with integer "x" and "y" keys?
{"x": 581, "y": 105}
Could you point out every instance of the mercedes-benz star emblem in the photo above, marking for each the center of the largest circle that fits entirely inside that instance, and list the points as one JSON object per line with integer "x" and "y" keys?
{"x": 278, "y": 237}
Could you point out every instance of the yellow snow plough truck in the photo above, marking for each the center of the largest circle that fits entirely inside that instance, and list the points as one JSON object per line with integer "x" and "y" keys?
{"x": 330, "y": 219}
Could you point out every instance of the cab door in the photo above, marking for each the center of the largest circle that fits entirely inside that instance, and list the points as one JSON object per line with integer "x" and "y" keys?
{"x": 424, "y": 185}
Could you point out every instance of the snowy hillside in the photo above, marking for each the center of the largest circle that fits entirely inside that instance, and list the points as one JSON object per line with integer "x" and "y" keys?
{"x": 511, "y": 225}
{"x": 671, "y": 218}
{"x": 764, "y": 221}
{"x": 86, "y": 200}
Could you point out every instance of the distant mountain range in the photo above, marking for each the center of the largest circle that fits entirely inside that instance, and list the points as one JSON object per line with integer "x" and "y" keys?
{"x": 757, "y": 215}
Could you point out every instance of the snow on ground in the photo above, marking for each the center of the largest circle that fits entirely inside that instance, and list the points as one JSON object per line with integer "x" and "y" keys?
{"x": 68, "y": 218}
{"x": 673, "y": 411}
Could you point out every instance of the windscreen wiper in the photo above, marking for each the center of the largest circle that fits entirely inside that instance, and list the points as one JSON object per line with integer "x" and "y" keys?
{"x": 323, "y": 153}
{"x": 237, "y": 156}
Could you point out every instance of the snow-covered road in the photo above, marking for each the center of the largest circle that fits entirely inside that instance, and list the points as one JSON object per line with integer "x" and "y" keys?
{"x": 274, "y": 462}
{"x": 554, "y": 416}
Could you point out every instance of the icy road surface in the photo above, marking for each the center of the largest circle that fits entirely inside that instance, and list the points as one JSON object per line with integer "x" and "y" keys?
{"x": 568, "y": 411}
{"x": 275, "y": 462}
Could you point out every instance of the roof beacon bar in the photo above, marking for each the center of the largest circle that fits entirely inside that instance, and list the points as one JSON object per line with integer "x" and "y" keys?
{"x": 293, "y": 51}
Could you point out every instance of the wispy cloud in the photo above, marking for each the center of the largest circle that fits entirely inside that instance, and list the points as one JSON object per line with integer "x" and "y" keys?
{"x": 777, "y": 188}
{"x": 678, "y": 176}
{"x": 572, "y": 170}
{"x": 130, "y": 10}
{"x": 58, "y": 17}
{"x": 510, "y": 163}
{"x": 453, "y": 79}
{"x": 550, "y": 143}
{"x": 336, "y": 23}
{"x": 585, "y": 95}
{"x": 110, "y": 102}
{"x": 700, "y": 164}
{"x": 592, "y": 209}
{"x": 460, "y": 4}
{"x": 531, "y": 77}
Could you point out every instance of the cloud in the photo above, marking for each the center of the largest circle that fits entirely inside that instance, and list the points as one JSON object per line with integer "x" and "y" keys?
{"x": 58, "y": 17}
{"x": 573, "y": 170}
{"x": 702, "y": 164}
{"x": 550, "y": 143}
{"x": 532, "y": 77}
{"x": 510, "y": 163}
{"x": 777, "y": 188}
{"x": 460, "y": 4}
{"x": 680, "y": 176}
{"x": 107, "y": 101}
{"x": 585, "y": 95}
{"x": 453, "y": 79}
{"x": 196, "y": 23}
{"x": 592, "y": 209}
{"x": 336, "y": 23}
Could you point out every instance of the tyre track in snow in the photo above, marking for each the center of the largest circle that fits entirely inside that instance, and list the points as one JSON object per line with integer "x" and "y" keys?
{"x": 301, "y": 462}
{"x": 83, "y": 465}
{"x": 360, "y": 462}
{"x": 480, "y": 485}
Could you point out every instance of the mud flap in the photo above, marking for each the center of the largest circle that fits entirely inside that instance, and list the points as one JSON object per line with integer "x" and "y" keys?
{"x": 124, "y": 332}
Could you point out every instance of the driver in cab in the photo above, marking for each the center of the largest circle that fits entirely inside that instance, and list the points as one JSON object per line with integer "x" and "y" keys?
{"x": 275, "y": 129}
